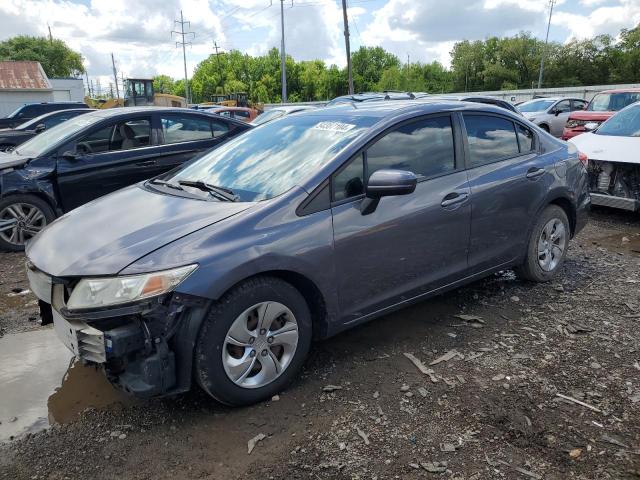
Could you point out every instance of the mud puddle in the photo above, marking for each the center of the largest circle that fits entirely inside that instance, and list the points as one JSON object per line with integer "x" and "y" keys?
{"x": 40, "y": 384}
{"x": 628, "y": 242}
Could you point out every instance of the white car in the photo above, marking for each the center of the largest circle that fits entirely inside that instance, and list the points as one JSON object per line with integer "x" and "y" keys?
{"x": 551, "y": 114}
{"x": 613, "y": 150}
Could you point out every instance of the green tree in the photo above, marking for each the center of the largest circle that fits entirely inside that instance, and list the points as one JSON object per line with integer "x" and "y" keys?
{"x": 163, "y": 84}
{"x": 369, "y": 63}
{"x": 56, "y": 58}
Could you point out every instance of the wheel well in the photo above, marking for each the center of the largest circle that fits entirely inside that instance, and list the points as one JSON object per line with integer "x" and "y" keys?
{"x": 311, "y": 293}
{"x": 544, "y": 126}
{"x": 39, "y": 196}
{"x": 566, "y": 205}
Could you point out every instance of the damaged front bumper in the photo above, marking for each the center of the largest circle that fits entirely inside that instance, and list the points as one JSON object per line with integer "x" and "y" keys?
{"x": 145, "y": 348}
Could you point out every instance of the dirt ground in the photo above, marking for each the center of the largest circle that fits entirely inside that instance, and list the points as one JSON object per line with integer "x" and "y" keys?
{"x": 533, "y": 382}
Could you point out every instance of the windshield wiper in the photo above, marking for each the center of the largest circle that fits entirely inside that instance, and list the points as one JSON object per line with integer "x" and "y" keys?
{"x": 158, "y": 181}
{"x": 221, "y": 193}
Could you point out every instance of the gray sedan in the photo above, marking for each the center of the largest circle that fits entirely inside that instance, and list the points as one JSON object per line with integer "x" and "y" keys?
{"x": 223, "y": 271}
{"x": 551, "y": 114}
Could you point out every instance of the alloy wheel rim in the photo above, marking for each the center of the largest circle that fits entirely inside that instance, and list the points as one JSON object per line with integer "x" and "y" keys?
{"x": 260, "y": 345}
{"x": 551, "y": 244}
{"x": 20, "y": 222}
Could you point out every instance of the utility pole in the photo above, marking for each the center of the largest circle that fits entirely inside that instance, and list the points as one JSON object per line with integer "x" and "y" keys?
{"x": 283, "y": 63}
{"x": 215, "y": 45}
{"x": 347, "y": 45}
{"x": 115, "y": 76}
{"x": 182, "y": 34}
{"x": 86, "y": 73}
{"x": 50, "y": 36}
{"x": 546, "y": 40}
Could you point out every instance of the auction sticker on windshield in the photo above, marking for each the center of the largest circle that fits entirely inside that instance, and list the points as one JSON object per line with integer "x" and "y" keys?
{"x": 333, "y": 126}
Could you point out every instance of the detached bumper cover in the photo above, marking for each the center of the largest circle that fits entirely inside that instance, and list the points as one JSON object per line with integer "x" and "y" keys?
{"x": 145, "y": 349}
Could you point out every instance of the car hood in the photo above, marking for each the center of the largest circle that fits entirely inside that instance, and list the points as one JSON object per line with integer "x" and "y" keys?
{"x": 104, "y": 236}
{"x": 590, "y": 116}
{"x": 608, "y": 147}
{"x": 8, "y": 160}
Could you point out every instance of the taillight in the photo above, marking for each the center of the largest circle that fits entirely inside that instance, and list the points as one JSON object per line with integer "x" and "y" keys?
{"x": 583, "y": 158}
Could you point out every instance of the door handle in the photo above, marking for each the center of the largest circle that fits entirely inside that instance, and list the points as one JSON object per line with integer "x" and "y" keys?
{"x": 535, "y": 172}
{"x": 454, "y": 198}
{"x": 146, "y": 163}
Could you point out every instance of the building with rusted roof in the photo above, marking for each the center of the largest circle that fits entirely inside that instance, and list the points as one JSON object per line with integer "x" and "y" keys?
{"x": 25, "y": 82}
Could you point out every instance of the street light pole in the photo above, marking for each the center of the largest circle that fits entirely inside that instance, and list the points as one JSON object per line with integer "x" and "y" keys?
{"x": 546, "y": 40}
{"x": 283, "y": 64}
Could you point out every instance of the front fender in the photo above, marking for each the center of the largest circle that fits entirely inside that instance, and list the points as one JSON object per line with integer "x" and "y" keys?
{"x": 34, "y": 178}
{"x": 270, "y": 238}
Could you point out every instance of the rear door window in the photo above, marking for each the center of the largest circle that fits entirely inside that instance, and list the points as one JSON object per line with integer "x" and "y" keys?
{"x": 526, "y": 139}
{"x": 490, "y": 138}
{"x": 188, "y": 128}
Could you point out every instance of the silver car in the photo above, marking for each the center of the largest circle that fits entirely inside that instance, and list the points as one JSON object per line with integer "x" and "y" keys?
{"x": 551, "y": 114}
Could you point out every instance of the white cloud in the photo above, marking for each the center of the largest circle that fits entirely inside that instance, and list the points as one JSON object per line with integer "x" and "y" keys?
{"x": 609, "y": 19}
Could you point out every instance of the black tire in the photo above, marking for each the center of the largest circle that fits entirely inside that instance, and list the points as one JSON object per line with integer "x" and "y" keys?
{"x": 545, "y": 128}
{"x": 209, "y": 369}
{"x": 30, "y": 200}
{"x": 531, "y": 269}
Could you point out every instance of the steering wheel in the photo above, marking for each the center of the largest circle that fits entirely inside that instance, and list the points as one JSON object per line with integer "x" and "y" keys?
{"x": 84, "y": 147}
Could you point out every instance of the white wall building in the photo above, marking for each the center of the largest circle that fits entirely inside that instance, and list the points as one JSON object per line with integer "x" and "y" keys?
{"x": 25, "y": 82}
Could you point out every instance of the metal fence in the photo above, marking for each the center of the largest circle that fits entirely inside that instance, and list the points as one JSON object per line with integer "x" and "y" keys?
{"x": 516, "y": 96}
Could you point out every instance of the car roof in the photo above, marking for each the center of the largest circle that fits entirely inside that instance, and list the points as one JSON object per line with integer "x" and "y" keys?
{"x": 55, "y": 103}
{"x": 384, "y": 108}
{"x": 112, "y": 112}
{"x": 289, "y": 108}
{"x": 621, "y": 90}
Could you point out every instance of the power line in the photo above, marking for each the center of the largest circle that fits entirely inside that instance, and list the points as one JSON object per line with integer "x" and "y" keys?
{"x": 182, "y": 33}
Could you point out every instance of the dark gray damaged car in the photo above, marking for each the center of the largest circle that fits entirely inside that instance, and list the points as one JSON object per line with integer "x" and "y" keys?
{"x": 224, "y": 271}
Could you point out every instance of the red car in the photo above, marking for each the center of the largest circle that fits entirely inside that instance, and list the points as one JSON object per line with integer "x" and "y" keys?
{"x": 601, "y": 108}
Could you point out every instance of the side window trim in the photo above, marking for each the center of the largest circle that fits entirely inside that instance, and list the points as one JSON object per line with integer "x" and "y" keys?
{"x": 458, "y": 147}
{"x": 465, "y": 139}
{"x": 112, "y": 125}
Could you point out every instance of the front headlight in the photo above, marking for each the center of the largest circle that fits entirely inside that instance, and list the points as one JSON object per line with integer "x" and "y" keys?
{"x": 107, "y": 291}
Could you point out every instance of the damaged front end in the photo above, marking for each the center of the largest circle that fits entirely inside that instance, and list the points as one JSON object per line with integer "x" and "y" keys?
{"x": 144, "y": 346}
{"x": 615, "y": 184}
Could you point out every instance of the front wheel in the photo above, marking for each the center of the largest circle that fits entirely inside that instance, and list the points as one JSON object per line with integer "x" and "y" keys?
{"x": 547, "y": 246}
{"x": 21, "y": 218}
{"x": 253, "y": 341}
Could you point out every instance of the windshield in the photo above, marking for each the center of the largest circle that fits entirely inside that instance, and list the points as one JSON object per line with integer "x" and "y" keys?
{"x": 535, "y": 106}
{"x": 15, "y": 112}
{"x": 623, "y": 124}
{"x": 267, "y": 161}
{"x": 31, "y": 124}
{"x": 268, "y": 116}
{"x": 612, "y": 102}
{"x": 42, "y": 143}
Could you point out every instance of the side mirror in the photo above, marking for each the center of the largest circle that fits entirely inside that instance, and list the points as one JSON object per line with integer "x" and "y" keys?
{"x": 41, "y": 127}
{"x": 591, "y": 126}
{"x": 69, "y": 155}
{"x": 387, "y": 183}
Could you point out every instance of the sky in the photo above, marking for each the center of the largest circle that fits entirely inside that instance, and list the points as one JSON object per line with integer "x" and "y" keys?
{"x": 138, "y": 32}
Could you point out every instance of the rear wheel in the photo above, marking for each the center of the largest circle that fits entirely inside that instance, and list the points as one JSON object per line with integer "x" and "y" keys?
{"x": 253, "y": 341}
{"x": 21, "y": 218}
{"x": 547, "y": 246}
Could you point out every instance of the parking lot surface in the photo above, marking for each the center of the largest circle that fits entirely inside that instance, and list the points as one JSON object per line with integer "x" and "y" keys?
{"x": 500, "y": 379}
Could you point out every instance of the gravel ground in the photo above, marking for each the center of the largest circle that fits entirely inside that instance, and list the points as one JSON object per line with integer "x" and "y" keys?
{"x": 533, "y": 381}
